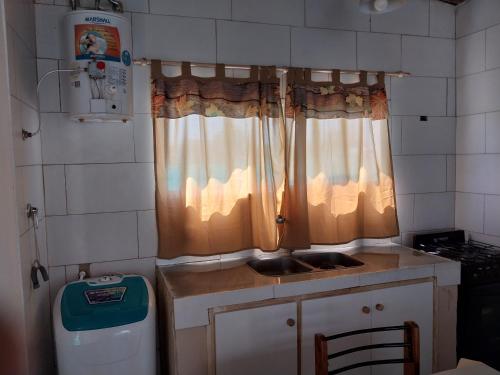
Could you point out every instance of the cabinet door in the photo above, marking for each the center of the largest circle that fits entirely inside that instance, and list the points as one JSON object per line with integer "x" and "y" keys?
{"x": 333, "y": 315}
{"x": 397, "y": 305}
{"x": 257, "y": 341}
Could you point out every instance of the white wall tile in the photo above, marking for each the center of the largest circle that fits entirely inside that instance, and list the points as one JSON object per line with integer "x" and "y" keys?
{"x": 25, "y": 67}
{"x": 434, "y": 136}
{"x": 434, "y": 211}
{"x": 79, "y": 239}
{"x": 450, "y": 172}
{"x": 471, "y": 133}
{"x": 405, "y": 205}
{"x": 434, "y": 57}
{"x": 20, "y": 15}
{"x": 420, "y": 174}
{"x": 144, "y": 267}
{"x": 128, "y": 5}
{"x": 493, "y": 132}
{"x": 28, "y": 250}
{"x": 11, "y": 50}
{"x": 396, "y": 134}
{"x": 492, "y": 215}
{"x": 143, "y": 138}
{"x": 142, "y": 89}
{"x": 65, "y": 141}
{"x": 29, "y": 189}
{"x": 319, "y": 48}
{"x": 36, "y": 306}
{"x": 72, "y": 272}
{"x": 451, "y": 102}
{"x": 411, "y": 19}
{"x": 263, "y": 44}
{"x": 49, "y": 88}
{"x": 478, "y": 93}
{"x": 471, "y": 54}
{"x": 57, "y": 280}
{"x": 55, "y": 189}
{"x": 279, "y": 12}
{"x": 148, "y": 236}
{"x": 493, "y": 47}
{"x": 339, "y": 14}
{"x": 478, "y": 173}
{"x": 193, "y": 8}
{"x": 173, "y": 38}
{"x": 477, "y": 15}
{"x": 49, "y": 21}
{"x": 28, "y": 151}
{"x": 379, "y": 51}
{"x": 110, "y": 187}
{"x": 418, "y": 96}
{"x": 469, "y": 211}
{"x": 442, "y": 19}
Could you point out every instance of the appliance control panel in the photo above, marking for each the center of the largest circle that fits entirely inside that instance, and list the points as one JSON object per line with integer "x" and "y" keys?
{"x": 105, "y": 280}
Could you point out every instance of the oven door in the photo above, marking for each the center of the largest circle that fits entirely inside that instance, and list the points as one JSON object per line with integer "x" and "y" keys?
{"x": 479, "y": 324}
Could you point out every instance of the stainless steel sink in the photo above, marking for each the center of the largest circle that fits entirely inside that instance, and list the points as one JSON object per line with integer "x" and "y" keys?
{"x": 278, "y": 266}
{"x": 328, "y": 261}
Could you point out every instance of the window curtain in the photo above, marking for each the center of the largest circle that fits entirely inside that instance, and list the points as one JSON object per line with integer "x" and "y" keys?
{"x": 340, "y": 184}
{"x": 219, "y": 160}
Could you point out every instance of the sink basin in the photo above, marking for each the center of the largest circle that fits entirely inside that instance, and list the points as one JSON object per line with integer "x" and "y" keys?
{"x": 328, "y": 261}
{"x": 278, "y": 266}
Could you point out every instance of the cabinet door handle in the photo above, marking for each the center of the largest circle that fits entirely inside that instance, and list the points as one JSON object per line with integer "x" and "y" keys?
{"x": 290, "y": 322}
{"x": 365, "y": 310}
{"x": 379, "y": 307}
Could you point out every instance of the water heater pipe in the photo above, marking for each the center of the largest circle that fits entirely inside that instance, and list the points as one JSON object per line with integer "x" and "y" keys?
{"x": 27, "y": 134}
{"x": 117, "y": 5}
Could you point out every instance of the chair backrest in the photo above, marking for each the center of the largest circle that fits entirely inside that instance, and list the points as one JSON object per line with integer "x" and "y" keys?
{"x": 411, "y": 358}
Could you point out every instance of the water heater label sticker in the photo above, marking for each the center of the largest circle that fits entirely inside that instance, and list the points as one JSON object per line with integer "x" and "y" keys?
{"x": 105, "y": 295}
{"x": 97, "y": 41}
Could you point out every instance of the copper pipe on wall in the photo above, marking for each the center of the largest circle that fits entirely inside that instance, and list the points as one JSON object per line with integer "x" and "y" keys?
{"x": 284, "y": 69}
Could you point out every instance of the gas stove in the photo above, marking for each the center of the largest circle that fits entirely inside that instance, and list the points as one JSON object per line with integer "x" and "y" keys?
{"x": 480, "y": 261}
{"x": 478, "y": 310}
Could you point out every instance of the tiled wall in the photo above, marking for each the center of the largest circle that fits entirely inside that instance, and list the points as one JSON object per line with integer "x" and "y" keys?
{"x": 478, "y": 122}
{"x": 20, "y": 16}
{"x": 99, "y": 178}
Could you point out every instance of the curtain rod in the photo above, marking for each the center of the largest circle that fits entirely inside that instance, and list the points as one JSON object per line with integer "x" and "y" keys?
{"x": 143, "y": 62}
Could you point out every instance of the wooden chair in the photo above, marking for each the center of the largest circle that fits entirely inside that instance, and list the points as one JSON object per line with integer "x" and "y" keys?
{"x": 411, "y": 347}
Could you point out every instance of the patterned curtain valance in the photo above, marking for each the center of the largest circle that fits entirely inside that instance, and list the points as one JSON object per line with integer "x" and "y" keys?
{"x": 326, "y": 100}
{"x": 176, "y": 97}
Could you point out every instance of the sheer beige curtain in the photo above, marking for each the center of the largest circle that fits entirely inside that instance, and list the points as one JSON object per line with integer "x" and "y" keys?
{"x": 340, "y": 184}
{"x": 219, "y": 159}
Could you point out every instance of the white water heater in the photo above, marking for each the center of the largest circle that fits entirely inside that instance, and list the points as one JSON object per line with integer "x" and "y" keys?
{"x": 98, "y": 46}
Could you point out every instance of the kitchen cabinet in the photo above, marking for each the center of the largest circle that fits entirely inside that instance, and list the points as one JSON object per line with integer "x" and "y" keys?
{"x": 260, "y": 340}
{"x": 333, "y": 315}
{"x": 376, "y": 308}
{"x": 393, "y": 306}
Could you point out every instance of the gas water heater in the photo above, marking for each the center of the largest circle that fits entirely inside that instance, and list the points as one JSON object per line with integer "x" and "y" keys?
{"x": 98, "y": 46}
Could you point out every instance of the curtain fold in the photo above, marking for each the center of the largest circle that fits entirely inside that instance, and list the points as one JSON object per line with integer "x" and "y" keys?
{"x": 340, "y": 184}
{"x": 219, "y": 160}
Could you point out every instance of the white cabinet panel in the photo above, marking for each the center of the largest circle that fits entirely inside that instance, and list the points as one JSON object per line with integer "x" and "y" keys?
{"x": 399, "y": 304}
{"x": 334, "y": 315}
{"x": 256, "y": 341}
{"x": 344, "y": 313}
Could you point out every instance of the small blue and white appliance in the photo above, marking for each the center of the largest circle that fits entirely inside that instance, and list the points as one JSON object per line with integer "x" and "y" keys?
{"x": 106, "y": 326}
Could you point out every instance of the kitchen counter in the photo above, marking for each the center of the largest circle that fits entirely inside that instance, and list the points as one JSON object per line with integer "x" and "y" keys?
{"x": 195, "y": 288}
